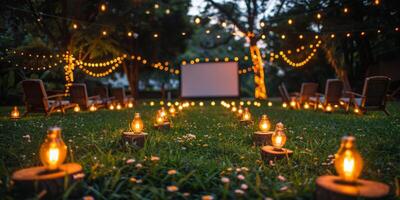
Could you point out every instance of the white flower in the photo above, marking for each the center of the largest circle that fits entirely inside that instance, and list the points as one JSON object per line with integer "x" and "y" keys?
{"x": 138, "y": 165}
{"x": 130, "y": 161}
{"x": 244, "y": 186}
{"x": 240, "y": 177}
{"x": 240, "y": 192}
{"x": 281, "y": 178}
{"x": 225, "y": 180}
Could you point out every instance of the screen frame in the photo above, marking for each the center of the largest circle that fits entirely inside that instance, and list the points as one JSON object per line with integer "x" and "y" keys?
{"x": 211, "y": 97}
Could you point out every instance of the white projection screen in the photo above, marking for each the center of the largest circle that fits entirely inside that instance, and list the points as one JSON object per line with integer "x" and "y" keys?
{"x": 203, "y": 80}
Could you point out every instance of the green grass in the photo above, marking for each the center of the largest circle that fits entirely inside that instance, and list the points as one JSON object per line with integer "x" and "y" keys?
{"x": 222, "y": 146}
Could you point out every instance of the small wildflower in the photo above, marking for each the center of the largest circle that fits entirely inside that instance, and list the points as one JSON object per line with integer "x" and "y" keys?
{"x": 88, "y": 198}
{"x": 240, "y": 177}
{"x": 172, "y": 188}
{"x": 138, "y": 165}
{"x": 79, "y": 176}
{"x": 245, "y": 169}
{"x": 171, "y": 172}
{"x": 283, "y": 188}
{"x": 133, "y": 179}
{"x": 154, "y": 158}
{"x": 130, "y": 161}
{"x": 239, "y": 192}
{"x": 244, "y": 186}
{"x": 207, "y": 197}
{"x": 281, "y": 178}
{"x": 271, "y": 163}
{"x": 225, "y": 180}
{"x": 139, "y": 181}
{"x": 186, "y": 194}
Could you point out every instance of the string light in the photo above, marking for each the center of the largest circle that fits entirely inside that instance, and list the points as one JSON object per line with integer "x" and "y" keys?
{"x": 103, "y": 7}
{"x": 197, "y": 20}
{"x": 290, "y": 21}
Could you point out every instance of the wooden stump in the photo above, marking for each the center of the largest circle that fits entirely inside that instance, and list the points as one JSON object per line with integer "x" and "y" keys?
{"x": 246, "y": 122}
{"x": 333, "y": 188}
{"x": 165, "y": 125}
{"x": 270, "y": 153}
{"x": 262, "y": 138}
{"x": 137, "y": 139}
{"x": 38, "y": 180}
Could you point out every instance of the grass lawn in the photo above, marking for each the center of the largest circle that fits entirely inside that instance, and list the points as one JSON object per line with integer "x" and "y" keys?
{"x": 222, "y": 148}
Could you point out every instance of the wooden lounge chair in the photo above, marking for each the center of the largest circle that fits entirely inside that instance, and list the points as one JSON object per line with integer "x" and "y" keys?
{"x": 307, "y": 90}
{"x": 333, "y": 93}
{"x": 37, "y": 101}
{"x": 373, "y": 97}
{"x": 102, "y": 91}
{"x": 121, "y": 97}
{"x": 79, "y": 96}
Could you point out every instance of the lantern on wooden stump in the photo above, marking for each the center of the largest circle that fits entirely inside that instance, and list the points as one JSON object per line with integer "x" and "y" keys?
{"x": 172, "y": 111}
{"x": 263, "y": 136}
{"x": 278, "y": 140}
{"x": 118, "y": 107}
{"x": 15, "y": 113}
{"x": 135, "y": 136}
{"x": 246, "y": 117}
{"x": 92, "y": 108}
{"x": 306, "y": 106}
{"x": 53, "y": 176}
{"x": 162, "y": 120}
{"x": 349, "y": 164}
{"x": 77, "y": 108}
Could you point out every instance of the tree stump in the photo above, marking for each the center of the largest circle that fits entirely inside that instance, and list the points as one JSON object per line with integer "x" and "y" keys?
{"x": 271, "y": 153}
{"x": 262, "y": 138}
{"x": 137, "y": 139}
{"x": 165, "y": 125}
{"x": 333, "y": 188}
{"x": 37, "y": 180}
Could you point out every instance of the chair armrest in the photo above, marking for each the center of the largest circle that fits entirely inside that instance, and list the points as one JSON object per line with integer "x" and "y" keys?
{"x": 56, "y": 96}
{"x": 354, "y": 94}
{"x": 94, "y": 97}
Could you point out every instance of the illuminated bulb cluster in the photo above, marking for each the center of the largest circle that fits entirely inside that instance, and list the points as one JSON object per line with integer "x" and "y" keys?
{"x": 301, "y": 63}
{"x": 164, "y": 67}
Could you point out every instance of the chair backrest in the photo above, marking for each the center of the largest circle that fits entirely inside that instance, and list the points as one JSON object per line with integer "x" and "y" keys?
{"x": 375, "y": 90}
{"x": 308, "y": 90}
{"x": 284, "y": 93}
{"x": 119, "y": 94}
{"x": 79, "y": 94}
{"x": 35, "y": 95}
{"x": 102, "y": 91}
{"x": 333, "y": 91}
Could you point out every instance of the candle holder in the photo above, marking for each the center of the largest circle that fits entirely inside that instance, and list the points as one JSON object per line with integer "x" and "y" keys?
{"x": 263, "y": 136}
{"x": 278, "y": 140}
{"x": 54, "y": 176}
{"x": 136, "y": 136}
{"x": 162, "y": 121}
{"x": 15, "y": 115}
{"x": 333, "y": 188}
{"x": 246, "y": 117}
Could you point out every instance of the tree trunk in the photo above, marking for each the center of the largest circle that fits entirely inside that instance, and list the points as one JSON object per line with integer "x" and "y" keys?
{"x": 132, "y": 73}
{"x": 258, "y": 67}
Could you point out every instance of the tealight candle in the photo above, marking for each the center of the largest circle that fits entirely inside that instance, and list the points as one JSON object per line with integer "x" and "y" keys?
{"x": 92, "y": 108}
{"x": 246, "y": 116}
{"x": 15, "y": 113}
{"x": 77, "y": 108}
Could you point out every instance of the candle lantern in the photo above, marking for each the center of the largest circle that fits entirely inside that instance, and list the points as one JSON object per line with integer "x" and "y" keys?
{"x": 278, "y": 140}
{"x": 162, "y": 120}
{"x": 234, "y": 109}
{"x": 180, "y": 107}
{"x": 136, "y": 136}
{"x": 53, "y": 176}
{"x": 293, "y": 104}
{"x": 246, "y": 117}
{"x": 269, "y": 104}
{"x": 172, "y": 110}
{"x": 328, "y": 108}
{"x": 77, "y": 108}
{"x": 130, "y": 104}
{"x": 349, "y": 164}
{"x": 15, "y": 113}
{"x": 118, "y": 107}
{"x": 240, "y": 112}
{"x": 306, "y": 106}
{"x": 92, "y": 108}
{"x": 284, "y": 105}
{"x": 111, "y": 107}
{"x": 263, "y": 136}
{"x": 53, "y": 151}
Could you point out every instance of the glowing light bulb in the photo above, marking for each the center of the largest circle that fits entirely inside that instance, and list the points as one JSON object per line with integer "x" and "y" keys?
{"x": 172, "y": 110}
{"x": 246, "y": 116}
{"x": 92, "y": 108}
{"x": 348, "y": 162}
{"x": 15, "y": 113}
{"x": 151, "y": 103}
{"x": 137, "y": 123}
{"x": 162, "y": 112}
{"x": 130, "y": 105}
{"x": 293, "y": 103}
{"x": 328, "y": 108}
{"x": 192, "y": 103}
{"x": 197, "y": 20}
{"x": 269, "y": 104}
{"x": 233, "y": 109}
{"x": 306, "y": 105}
{"x": 290, "y": 22}
{"x": 180, "y": 107}
{"x": 119, "y": 107}
{"x": 213, "y": 103}
{"x": 240, "y": 111}
{"x": 278, "y": 137}
{"x": 264, "y": 124}
{"x": 111, "y": 107}
{"x": 345, "y": 10}
{"x": 284, "y": 105}
{"x": 77, "y": 108}
{"x": 201, "y": 104}
{"x": 103, "y": 7}
{"x": 53, "y": 151}
{"x": 357, "y": 111}
{"x": 75, "y": 26}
